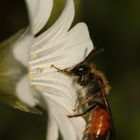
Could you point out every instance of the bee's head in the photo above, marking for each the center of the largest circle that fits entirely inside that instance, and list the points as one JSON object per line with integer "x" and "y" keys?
{"x": 81, "y": 69}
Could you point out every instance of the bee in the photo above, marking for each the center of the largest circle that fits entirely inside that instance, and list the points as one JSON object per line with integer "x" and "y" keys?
{"x": 94, "y": 89}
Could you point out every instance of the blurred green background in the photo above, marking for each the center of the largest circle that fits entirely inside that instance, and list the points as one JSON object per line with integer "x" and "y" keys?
{"x": 114, "y": 26}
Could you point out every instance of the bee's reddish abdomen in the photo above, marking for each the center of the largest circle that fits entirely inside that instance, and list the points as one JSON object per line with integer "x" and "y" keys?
{"x": 99, "y": 125}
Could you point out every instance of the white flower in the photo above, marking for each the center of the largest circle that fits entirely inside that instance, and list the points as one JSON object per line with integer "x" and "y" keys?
{"x": 63, "y": 47}
{"x": 22, "y": 46}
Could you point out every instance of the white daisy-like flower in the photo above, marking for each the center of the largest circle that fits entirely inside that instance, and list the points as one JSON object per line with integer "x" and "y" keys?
{"x": 63, "y": 47}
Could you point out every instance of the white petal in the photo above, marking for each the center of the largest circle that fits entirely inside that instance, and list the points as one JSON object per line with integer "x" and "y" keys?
{"x": 25, "y": 93}
{"x": 54, "y": 84}
{"x": 21, "y": 48}
{"x": 52, "y": 130}
{"x": 58, "y": 92}
{"x": 66, "y": 128}
{"x": 64, "y": 124}
{"x": 59, "y": 28}
{"x": 70, "y": 51}
{"x": 79, "y": 129}
{"x": 39, "y": 13}
{"x": 64, "y": 49}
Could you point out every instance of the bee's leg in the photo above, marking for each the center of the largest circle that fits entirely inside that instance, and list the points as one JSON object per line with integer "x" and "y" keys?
{"x": 95, "y": 104}
{"x": 93, "y": 53}
{"x": 64, "y": 71}
{"x": 83, "y": 101}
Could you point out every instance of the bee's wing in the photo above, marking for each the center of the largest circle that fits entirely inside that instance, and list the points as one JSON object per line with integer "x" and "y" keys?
{"x": 15, "y": 103}
{"x": 111, "y": 133}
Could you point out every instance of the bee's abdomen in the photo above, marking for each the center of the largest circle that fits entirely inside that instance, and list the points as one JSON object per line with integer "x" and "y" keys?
{"x": 99, "y": 125}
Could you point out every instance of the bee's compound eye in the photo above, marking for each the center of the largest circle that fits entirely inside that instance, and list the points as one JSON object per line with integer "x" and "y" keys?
{"x": 80, "y": 70}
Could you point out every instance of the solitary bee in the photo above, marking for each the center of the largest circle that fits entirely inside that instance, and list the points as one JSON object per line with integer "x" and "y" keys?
{"x": 94, "y": 89}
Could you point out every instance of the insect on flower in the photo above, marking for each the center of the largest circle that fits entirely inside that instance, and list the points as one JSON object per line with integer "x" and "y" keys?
{"x": 93, "y": 89}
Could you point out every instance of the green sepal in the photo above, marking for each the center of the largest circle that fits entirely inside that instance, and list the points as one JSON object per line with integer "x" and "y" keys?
{"x": 11, "y": 71}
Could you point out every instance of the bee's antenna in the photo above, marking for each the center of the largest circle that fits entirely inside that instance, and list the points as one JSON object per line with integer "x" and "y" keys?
{"x": 93, "y": 53}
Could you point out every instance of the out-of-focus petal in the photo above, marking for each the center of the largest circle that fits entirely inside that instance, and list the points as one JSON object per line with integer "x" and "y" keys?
{"x": 21, "y": 48}
{"x": 25, "y": 93}
{"x": 39, "y": 13}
